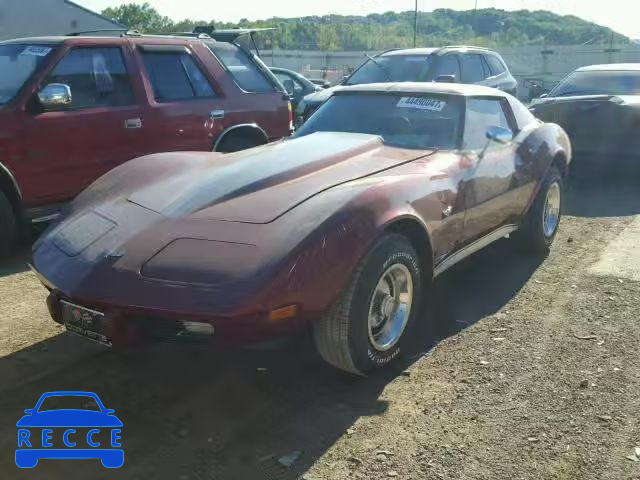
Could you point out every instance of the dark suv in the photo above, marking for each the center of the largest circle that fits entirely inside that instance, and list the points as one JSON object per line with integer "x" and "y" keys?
{"x": 458, "y": 64}
{"x": 72, "y": 108}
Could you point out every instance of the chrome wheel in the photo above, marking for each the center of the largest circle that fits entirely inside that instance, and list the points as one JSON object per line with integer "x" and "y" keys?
{"x": 390, "y": 307}
{"x": 551, "y": 211}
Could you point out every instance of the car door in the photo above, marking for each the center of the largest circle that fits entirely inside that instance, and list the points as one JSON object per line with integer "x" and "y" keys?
{"x": 488, "y": 190}
{"x": 293, "y": 87}
{"x": 474, "y": 69}
{"x": 186, "y": 109}
{"x": 448, "y": 65}
{"x": 500, "y": 77}
{"x": 68, "y": 147}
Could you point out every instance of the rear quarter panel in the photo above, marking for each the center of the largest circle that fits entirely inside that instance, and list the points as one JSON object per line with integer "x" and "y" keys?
{"x": 539, "y": 148}
{"x": 269, "y": 110}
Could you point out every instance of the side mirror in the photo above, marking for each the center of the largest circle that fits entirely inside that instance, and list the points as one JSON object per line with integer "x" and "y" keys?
{"x": 344, "y": 80}
{"x": 289, "y": 86}
{"x": 446, "y": 79}
{"x": 55, "y": 95}
{"x": 499, "y": 135}
{"x": 29, "y": 411}
{"x": 109, "y": 411}
{"x": 544, "y": 95}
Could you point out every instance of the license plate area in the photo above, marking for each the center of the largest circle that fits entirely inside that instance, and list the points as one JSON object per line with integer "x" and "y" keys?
{"x": 86, "y": 322}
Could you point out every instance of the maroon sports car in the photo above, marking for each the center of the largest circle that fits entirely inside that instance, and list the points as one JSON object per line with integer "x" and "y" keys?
{"x": 339, "y": 228}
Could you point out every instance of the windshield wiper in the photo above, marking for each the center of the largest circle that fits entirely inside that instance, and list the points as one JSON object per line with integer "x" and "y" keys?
{"x": 382, "y": 67}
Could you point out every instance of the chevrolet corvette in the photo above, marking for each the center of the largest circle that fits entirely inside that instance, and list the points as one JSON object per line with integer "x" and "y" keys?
{"x": 340, "y": 228}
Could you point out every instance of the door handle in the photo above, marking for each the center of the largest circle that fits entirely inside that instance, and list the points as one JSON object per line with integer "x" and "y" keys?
{"x": 133, "y": 123}
{"x": 216, "y": 114}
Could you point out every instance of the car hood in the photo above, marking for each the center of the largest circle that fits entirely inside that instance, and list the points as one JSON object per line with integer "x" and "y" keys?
{"x": 69, "y": 418}
{"x": 550, "y": 101}
{"x": 261, "y": 184}
{"x": 321, "y": 95}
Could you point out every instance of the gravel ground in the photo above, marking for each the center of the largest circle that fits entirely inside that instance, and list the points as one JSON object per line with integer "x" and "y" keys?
{"x": 523, "y": 368}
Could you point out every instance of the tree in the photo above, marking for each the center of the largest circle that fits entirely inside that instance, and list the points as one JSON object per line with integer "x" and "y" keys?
{"x": 143, "y": 17}
{"x": 490, "y": 27}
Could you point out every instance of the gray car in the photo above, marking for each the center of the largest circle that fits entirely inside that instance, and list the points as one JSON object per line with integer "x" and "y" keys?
{"x": 454, "y": 64}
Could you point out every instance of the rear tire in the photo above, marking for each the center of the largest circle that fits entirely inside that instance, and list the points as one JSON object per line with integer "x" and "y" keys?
{"x": 368, "y": 324}
{"x": 8, "y": 226}
{"x": 236, "y": 143}
{"x": 541, "y": 222}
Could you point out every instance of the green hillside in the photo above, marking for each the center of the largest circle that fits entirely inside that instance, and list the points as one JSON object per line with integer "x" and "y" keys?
{"x": 488, "y": 27}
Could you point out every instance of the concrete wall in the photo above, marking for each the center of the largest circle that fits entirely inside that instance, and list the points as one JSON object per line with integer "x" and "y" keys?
{"x": 26, "y": 18}
{"x": 545, "y": 65}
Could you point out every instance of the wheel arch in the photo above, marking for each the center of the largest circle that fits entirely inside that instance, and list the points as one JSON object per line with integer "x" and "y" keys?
{"x": 250, "y": 129}
{"x": 9, "y": 186}
{"x": 417, "y": 234}
{"x": 561, "y": 161}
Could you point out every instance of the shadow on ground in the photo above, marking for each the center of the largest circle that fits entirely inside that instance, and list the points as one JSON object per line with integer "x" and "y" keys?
{"x": 603, "y": 196}
{"x": 16, "y": 263}
{"x": 190, "y": 410}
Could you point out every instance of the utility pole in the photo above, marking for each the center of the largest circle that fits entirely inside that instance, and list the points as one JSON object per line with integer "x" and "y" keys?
{"x": 415, "y": 25}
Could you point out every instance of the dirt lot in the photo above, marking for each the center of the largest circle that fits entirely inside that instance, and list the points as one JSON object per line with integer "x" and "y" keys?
{"x": 534, "y": 375}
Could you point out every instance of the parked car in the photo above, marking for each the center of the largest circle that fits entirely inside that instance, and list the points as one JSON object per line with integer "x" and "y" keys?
{"x": 599, "y": 107}
{"x": 321, "y": 82}
{"x": 72, "y": 108}
{"x": 458, "y": 64}
{"x": 386, "y": 187}
{"x": 296, "y": 85}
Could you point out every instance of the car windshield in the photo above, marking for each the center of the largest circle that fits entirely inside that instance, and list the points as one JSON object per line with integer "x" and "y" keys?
{"x": 608, "y": 82}
{"x": 69, "y": 402}
{"x": 406, "y": 121}
{"x": 392, "y": 68}
{"x": 17, "y": 63}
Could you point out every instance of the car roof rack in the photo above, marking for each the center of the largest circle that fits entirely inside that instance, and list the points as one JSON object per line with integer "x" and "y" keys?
{"x": 233, "y": 33}
{"x": 468, "y": 46}
{"x": 202, "y": 36}
{"x": 123, "y": 32}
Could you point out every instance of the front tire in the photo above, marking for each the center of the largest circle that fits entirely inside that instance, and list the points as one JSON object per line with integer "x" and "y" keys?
{"x": 541, "y": 222}
{"x": 8, "y": 226}
{"x": 367, "y": 326}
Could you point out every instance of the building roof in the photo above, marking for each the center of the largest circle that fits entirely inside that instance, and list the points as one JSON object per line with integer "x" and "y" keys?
{"x": 610, "y": 67}
{"x": 74, "y": 4}
{"x": 420, "y": 88}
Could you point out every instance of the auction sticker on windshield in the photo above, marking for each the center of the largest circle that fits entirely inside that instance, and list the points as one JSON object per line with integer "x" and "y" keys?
{"x": 35, "y": 50}
{"x": 422, "y": 103}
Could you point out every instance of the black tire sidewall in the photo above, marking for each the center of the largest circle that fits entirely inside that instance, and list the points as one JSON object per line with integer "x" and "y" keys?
{"x": 531, "y": 236}
{"x": 8, "y": 225}
{"x": 553, "y": 176}
{"x": 390, "y": 250}
{"x": 237, "y": 143}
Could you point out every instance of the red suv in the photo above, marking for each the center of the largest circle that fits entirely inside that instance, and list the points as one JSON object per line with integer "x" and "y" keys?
{"x": 72, "y": 108}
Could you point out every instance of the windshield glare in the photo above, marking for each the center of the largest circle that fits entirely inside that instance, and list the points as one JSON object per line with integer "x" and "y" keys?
{"x": 405, "y": 121}
{"x": 17, "y": 64}
{"x": 393, "y": 68}
{"x": 599, "y": 83}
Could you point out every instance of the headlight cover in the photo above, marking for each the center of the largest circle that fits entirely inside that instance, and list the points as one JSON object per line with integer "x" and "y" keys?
{"x": 197, "y": 261}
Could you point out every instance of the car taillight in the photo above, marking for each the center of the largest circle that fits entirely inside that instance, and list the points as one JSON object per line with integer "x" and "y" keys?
{"x": 290, "y": 117}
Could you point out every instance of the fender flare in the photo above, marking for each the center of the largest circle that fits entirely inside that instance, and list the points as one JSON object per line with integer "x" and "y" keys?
{"x": 12, "y": 180}
{"x": 253, "y": 126}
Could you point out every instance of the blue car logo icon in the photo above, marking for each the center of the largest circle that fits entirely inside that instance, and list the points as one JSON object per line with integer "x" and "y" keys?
{"x": 84, "y": 433}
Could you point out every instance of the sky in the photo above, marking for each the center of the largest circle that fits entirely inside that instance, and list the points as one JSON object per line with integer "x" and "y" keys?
{"x": 619, "y": 15}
